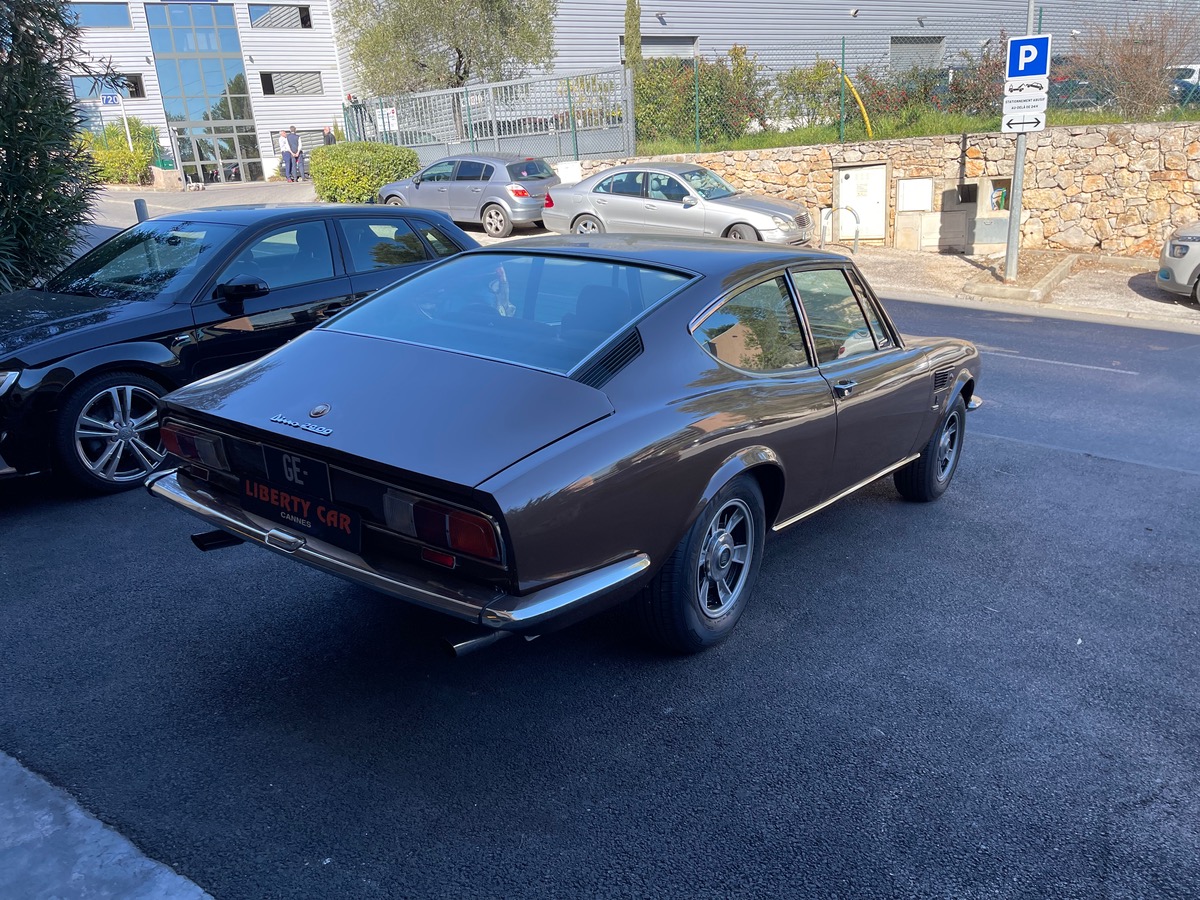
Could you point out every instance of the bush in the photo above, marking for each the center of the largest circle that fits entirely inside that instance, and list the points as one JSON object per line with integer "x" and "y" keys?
{"x": 352, "y": 172}
{"x": 116, "y": 162}
{"x": 664, "y": 97}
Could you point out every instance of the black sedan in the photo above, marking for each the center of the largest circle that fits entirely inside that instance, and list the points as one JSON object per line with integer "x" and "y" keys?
{"x": 84, "y": 359}
{"x": 525, "y": 433}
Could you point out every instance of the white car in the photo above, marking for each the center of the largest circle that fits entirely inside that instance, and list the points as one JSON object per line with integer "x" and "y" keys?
{"x": 1179, "y": 263}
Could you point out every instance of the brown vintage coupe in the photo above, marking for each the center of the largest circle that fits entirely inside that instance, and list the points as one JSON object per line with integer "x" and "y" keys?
{"x": 526, "y": 433}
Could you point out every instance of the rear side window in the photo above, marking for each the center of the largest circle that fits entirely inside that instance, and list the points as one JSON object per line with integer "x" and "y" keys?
{"x": 627, "y": 183}
{"x": 469, "y": 170}
{"x": 378, "y": 244}
{"x": 530, "y": 169}
{"x": 756, "y": 330}
{"x": 442, "y": 245}
{"x": 547, "y": 312}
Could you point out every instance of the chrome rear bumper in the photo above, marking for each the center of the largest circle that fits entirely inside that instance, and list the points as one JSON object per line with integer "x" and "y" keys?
{"x": 476, "y": 604}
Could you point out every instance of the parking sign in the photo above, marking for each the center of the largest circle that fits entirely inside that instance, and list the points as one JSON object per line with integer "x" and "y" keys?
{"x": 1028, "y": 56}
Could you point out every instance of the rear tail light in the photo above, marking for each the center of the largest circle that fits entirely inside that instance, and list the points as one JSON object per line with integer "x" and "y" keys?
{"x": 549, "y": 204}
{"x": 517, "y": 191}
{"x": 441, "y": 526}
{"x": 194, "y": 446}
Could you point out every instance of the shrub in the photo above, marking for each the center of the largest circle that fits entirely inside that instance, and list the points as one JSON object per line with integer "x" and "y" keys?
{"x": 352, "y": 172}
{"x": 664, "y": 96}
{"x": 809, "y": 95}
{"x": 116, "y": 162}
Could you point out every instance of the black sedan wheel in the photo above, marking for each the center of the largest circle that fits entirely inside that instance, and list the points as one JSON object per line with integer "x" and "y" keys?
{"x": 697, "y": 598}
{"x": 496, "y": 221}
{"x": 588, "y": 225}
{"x": 926, "y": 478}
{"x": 107, "y": 435}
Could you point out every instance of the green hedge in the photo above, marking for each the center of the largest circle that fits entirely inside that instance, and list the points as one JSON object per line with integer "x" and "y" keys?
{"x": 352, "y": 172}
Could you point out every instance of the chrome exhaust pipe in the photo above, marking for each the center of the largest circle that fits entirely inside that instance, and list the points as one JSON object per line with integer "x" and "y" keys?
{"x": 459, "y": 647}
{"x": 215, "y": 540}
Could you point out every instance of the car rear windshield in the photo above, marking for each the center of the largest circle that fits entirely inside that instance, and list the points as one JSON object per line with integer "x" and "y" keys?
{"x": 530, "y": 170}
{"x": 151, "y": 261}
{"x": 543, "y": 311}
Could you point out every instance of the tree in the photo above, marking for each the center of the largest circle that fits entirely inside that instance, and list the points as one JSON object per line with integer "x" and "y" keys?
{"x": 633, "y": 34}
{"x": 47, "y": 180}
{"x": 1132, "y": 62}
{"x": 400, "y": 46}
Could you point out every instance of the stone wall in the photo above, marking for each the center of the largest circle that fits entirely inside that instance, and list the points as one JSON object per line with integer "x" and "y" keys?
{"x": 1118, "y": 189}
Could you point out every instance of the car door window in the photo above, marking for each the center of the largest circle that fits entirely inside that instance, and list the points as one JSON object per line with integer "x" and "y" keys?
{"x": 380, "y": 243}
{"x": 874, "y": 320}
{"x": 439, "y": 171}
{"x": 628, "y": 184}
{"x": 836, "y": 319}
{"x": 296, "y": 254}
{"x": 756, "y": 330}
{"x": 664, "y": 187}
{"x": 469, "y": 170}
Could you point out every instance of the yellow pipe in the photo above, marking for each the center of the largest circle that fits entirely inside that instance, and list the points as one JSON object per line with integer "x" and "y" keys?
{"x": 858, "y": 100}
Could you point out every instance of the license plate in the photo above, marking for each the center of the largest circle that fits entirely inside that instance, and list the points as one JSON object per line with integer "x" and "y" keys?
{"x": 296, "y": 512}
{"x": 297, "y": 495}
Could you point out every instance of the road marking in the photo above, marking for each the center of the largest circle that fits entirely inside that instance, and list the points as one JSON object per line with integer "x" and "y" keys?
{"x": 1012, "y": 354}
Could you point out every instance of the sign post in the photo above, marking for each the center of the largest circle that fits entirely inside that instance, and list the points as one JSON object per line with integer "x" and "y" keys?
{"x": 113, "y": 98}
{"x": 1027, "y": 80}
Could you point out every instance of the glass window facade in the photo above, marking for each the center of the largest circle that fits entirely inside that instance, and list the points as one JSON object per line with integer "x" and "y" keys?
{"x": 198, "y": 57}
{"x": 102, "y": 15}
{"x": 272, "y": 15}
{"x": 291, "y": 82}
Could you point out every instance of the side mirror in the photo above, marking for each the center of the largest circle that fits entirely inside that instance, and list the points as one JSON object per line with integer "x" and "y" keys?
{"x": 232, "y": 294}
{"x": 416, "y": 180}
{"x": 689, "y": 201}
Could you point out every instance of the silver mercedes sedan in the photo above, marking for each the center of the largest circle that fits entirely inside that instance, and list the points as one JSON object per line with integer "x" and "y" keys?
{"x": 673, "y": 198}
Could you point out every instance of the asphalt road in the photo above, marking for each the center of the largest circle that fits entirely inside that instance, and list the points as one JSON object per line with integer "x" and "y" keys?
{"x": 995, "y": 695}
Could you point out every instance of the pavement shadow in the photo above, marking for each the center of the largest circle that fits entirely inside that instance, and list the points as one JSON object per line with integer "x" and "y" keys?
{"x": 1146, "y": 286}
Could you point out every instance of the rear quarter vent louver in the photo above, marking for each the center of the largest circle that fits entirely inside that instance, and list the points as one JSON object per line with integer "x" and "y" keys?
{"x": 598, "y": 373}
{"x": 941, "y": 379}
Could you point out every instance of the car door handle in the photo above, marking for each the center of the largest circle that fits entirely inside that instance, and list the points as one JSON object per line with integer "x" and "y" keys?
{"x": 476, "y": 190}
{"x": 844, "y": 388}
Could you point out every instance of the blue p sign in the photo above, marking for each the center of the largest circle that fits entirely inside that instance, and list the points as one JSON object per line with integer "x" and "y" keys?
{"x": 1028, "y": 56}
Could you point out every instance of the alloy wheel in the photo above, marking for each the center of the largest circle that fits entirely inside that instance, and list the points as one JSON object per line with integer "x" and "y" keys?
{"x": 117, "y": 434}
{"x": 725, "y": 558}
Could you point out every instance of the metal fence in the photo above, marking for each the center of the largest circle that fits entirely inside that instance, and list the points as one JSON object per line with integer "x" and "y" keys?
{"x": 588, "y": 116}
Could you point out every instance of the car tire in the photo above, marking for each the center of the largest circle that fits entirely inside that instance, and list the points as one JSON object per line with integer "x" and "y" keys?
{"x": 394, "y": 201}
{"x": 496, "y": 221}
{"x": 742, "y": 232}
{"x": 587, "y": 224}
{"x": 927, "y": 477}
{"x": 106, "y": 437}
{"x": 698, "y": 596}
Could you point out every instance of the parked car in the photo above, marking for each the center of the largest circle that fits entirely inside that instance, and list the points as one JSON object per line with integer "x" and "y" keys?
{"x": 595, "y": 416}
{"x": 84, "y": 359}
{"x": 1184, "y": 93}
{"x": 1073, "y": 85}
{"x": 1179, "y": 263}
{"x": 673, "y": 198}
{"x": 495, "y": 191}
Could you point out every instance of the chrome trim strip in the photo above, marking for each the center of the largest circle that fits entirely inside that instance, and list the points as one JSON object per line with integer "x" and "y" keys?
{"x": 7, "y": 380}
{"x": 779, "y": 526}
{"x": 481, "y": 605}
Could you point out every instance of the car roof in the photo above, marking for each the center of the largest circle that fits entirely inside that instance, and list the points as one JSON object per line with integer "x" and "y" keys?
{"x": 267, "y": 213}
{"x": 704, "y": 256}
{"x": 502, "y": 159}
{"x": 676, "y": 167}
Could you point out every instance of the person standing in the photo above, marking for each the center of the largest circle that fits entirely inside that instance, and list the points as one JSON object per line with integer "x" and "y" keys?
{"x": 328, "y": 137}
{"x": 292, "y": 150}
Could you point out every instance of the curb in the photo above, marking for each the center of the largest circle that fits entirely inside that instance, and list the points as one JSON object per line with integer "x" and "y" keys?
{"x": 988, "y": 289}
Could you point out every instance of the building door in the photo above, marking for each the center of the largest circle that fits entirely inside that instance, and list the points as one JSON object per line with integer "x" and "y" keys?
{"x": 864, "y": 190}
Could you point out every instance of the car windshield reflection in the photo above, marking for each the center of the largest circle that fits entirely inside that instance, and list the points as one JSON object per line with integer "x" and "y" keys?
{"x": 152, "y": 261}
{"x": 546, "y": 312}
{"x": 708, "y": 185}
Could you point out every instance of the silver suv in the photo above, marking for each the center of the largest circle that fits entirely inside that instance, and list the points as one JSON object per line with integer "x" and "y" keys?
{"x": 1179, "y": 263}
{"x": 496, "y": 191}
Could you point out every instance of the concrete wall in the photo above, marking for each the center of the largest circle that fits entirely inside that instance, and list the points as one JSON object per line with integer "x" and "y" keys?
{"x": 1119, "y": 189}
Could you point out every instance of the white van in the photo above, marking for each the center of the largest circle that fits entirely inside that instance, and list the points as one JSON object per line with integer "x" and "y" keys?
{"x": 1189, "y": 72}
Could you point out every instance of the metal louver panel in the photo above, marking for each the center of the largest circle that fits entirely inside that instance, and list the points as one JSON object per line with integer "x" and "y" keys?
{"x": 941, "y": 379}
{"x": 618, "y": 357}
